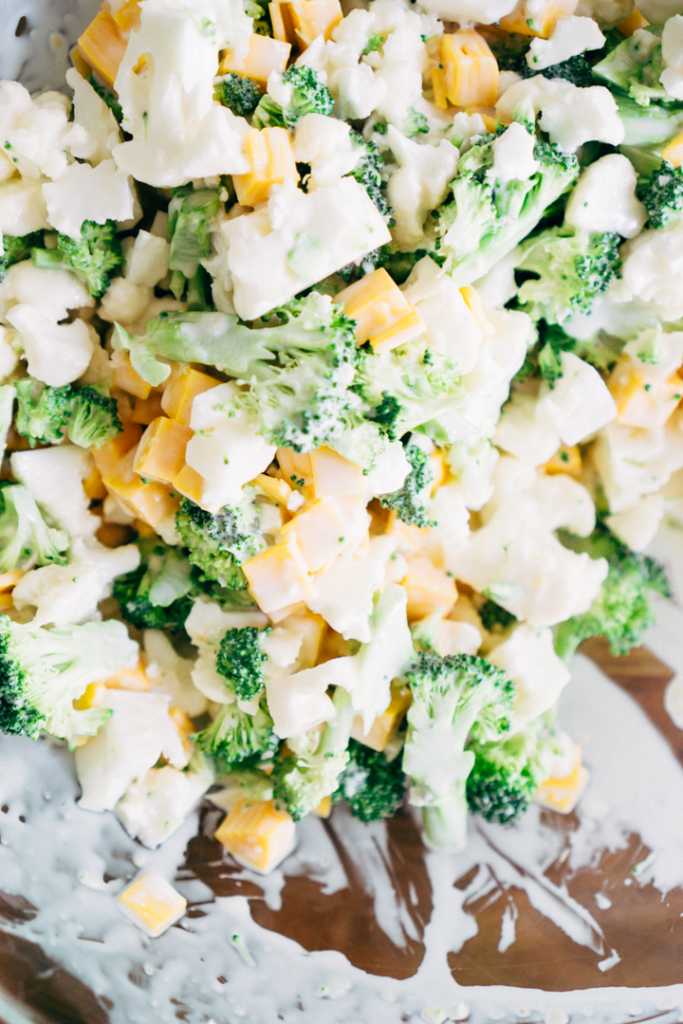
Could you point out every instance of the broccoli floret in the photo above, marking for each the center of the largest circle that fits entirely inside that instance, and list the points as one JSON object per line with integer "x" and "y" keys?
{"x": 506, "y": 774}
{"x": 455, "y": 698}
{"x": 25, "y": 538}
{"x": 372, "y": 786}
{"x": 297, "y": 373}
{"x": 109, "y": 98}
{"x": 494, "y": 618}
{"x": 662, "y": 195}
{"x": 368, "y": 173}
{"x": 236, "y": 739}
{"x": 486, "y": 219}
{"x": 190, "y": 213}
{"x": 409, "y": 500}
{"x": 634, "y": 68}
{"x": 621, "y": 611}
{"x": 17, "y": 248}
{"x": 217, "y": 543}
{"x": 238, "y": 93}
{"x": 415, "y": 124}
{"x": 159, "y": 593}
{"x": 308, "y": 95}
{"x": 42, "y": 672}
{"x": 93, "y": 257}
{"x": 571, "y": 268}
{"x": 240, "y": 660}
{"x": 303, "y": 779}
{"x": 648, "y": 125}
{"x": 87, "y": 414}
{"x": 94, "y": 417}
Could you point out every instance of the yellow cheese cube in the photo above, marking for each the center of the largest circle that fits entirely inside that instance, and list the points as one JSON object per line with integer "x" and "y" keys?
{"x": 93, "y": 486}
{"x": 126, "y": 378}
{"x": 257, "y": 834}
{"x": 563, "y": 794}
{"x": 377, "y": 304}
{"x": 385, "y": 726}
{"x": 324, "y": 808}
{"x": 160, "y": 454}
{"x": 296, "y": 467}
{"x": 439, "y": 86}
{"x": 103, "y": 45}
{"x": 94, "y": 696}
{"x": 301, "y": 21}
{"x": 145, "y": 410}
{"x": 183, "y": 385}
{"x": 185, "y": 729}
{"x": 191, "y": 484}
{"x": 264, "y": 55}
{"x": 409, "y": 327}
{"x": 319, "y": 533}
{"x": 9, "y": 580}
{"x": 528, "y": 22}
{"x": 643, "y": 404}
{"x": 429, "y": 589}
{"x": 151, "y": 502}
{"x": 152, "y": 903}
{"x": 470, "y": 70}
{"x": 271, "y": 158}
{"x": 108, "y": 457}
{"x": 128, "y": 679}
{"x": 673, "y": 151}
{"x": 278, "y": 576}
{"x": 276, "y": 489}
{"x": 312, "y": 629}
{"x": 565, "y": 460}
{"x": 128, "y": 16}
{"x": 624, "y": 382}
{"x": 632, "y": 24}
{"x": 334, "y": 476}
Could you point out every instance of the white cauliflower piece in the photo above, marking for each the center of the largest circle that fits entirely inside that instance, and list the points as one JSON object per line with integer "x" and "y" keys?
{"x": 55, "y": 476}
{"x": 604, "y": 198}
{"x": 83, "y": 192}
{"x": 8, "y": 356}
{"x": 636, "y": 526}
{"x": 452, "y": 330}
{"x": 357, "y": 91}
{"x": 579, "y": 403}
{"x": 513, "y": 155}
{"x": 570, "y": 37}
{"x": 51, "y": 292}
{"x": 485, "y": 12}
{"x": 634, "y": 462}
{"x": 472, "y": 470}
{"x": 326, "y": 144}
{"x": 571, "y": 115}
{"x": 419, "y": 185}
{"x": 36, "y": 133}
{"x": 607, "y": 13}
{"x": 55, "y": 353}
{"x": 127, "y": 297}
{"x": 500, "y": 356}
{"x": 206, "y": 626}
{"x": 22, "y": 207}
{"x": 154, "y": 807}
{"x": 672, "y": 54}
{"x": 60, "y": 594}
{"x": 171, "y": 674}
{"x": 299, "y": 702}
{"x": 526, "y": 431}
{"x": 529, "y": 658}
{"x": 659, "y": 11}
{"x": 652, "y": 269}
{"x": 94, "y": 116}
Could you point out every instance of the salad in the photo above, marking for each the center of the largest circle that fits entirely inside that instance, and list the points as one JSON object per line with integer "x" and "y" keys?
{"x": 340, "y": 400}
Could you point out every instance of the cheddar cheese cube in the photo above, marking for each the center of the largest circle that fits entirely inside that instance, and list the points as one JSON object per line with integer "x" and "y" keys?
{"x": 264, "y": 55}
{"x": 271, "y": 158}
{"x": 152, "y": 903}
{"x": 642, "y": 403}
{"x": 103, "y": 45}
{"x": 126, "y": 378}
{"x": 319, "y": 532}
{"x": 385, "y": 726}
{"x": 673, "y": 151}
{"x": 632, "y": 24}
{"x": 383, "y": 315}
{"x": 439, "y": 86}
{"x": 278, "y": 576}
{"x": 185, "y": 729}
{"x": 128, "y": 679}
{"x": 429, "y": 589}
{"x": 528, "y": 20}
{"x": 565, "y": 460}
{"x": 151, "y": 502}
{"x": 93, "y": 486}
{"x": 127, "y": 16}
{"x": 191, "y": 484}
{"x": 469, "y": 68}
{"x": 334, "y": 476}
{"x": 301, "y": 21}
{"x": 276, "y": 489}
{"x": 563, "y": 794}
{"x": 110, "y": 454}
{"x": 160, "y": 454}
{"x": 296, "y": 468}
{"x": 324, "y": 808}
{"x": 257, "y": 834}
{"x": 183, "y": 385}
{"x": 145, "y": 410}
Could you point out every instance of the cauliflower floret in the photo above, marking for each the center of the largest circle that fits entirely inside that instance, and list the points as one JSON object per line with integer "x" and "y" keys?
{"x": 652, "y": 270}
{"x": 579, "y": 403}
{"x": 513, "y": 155}
{"x": 633, "y": 462}
{"x": 55, "y": 353}
{"x": 128, "y": 297}
{"x": 55, "y": 476}
{"x": 22, "y": 208}
{"x": 608, "y": 13}
{"x": 36, "y": 133}
{"x": 83, "y": 192}
{"x": 571, "y": 115}
{"x": 472, "y": 469}
{"x": 539, "y": 675}
{"x": 604, "y": 198}
{"x": 325, "y": 143}
{"x": 154, "y": 807}
{"x": 51, "y": 292}
{"x": 569, "y": 37}
{"x": 485, "y": 12}
{"x": 672, "y": 53}
{"x": 8, "y": 356}
{"x": 171, "y": 674}
{"x": 451, "y": 328}
{"x": 636, "y": 526}
{"x": 95, "y": 117}
{"x": 299, "y": 702}
{"x": 419, "y": 185}
{"x": 501, "y": 354}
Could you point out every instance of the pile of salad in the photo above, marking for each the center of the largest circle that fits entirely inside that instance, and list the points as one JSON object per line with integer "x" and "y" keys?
{"x": 340, "y": 400}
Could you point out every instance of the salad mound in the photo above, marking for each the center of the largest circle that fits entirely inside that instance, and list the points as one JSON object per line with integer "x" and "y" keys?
{"x": 340, "y": 399}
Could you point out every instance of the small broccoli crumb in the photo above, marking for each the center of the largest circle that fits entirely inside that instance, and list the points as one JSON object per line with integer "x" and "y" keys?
{"x": 372, "y": 786}
{"x": 409, "y": 502}
{"x": 309, "y": 96}
{"x": 239, "y": 93}
{"x": 218, "y": 543}
{"x": 240, "y": 660}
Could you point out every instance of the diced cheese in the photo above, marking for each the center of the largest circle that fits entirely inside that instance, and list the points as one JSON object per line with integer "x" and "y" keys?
{"x": 109, "y": 455}
{"x": 565, "y": 460}
{"x": 151, "y": 502}
{"x": 126, "y": 378}
{"x": 103, "y": 45}
{"x": 146, "y": 410}
{"x": 152, "y": 903}
{"x": 532, "y": 19}
{"x": 382, "y": 313}
{"x": 333, "y": 475}
{"x": 127, "y": 16}
{"x": 191, "y": 484}
{"x": 319, "y": 532}
{"x": 634, "y": 22}
{"x": 276, "y": 489}
{"x": 264, "y": 56}
{"x": 271, "y": 158}
{"x": 563, "y": 794}
{"x": 94, "y": 487}
{"x": 642, "y": 403}
{"x": 296, "y": 466}
{"x": 673, "y": 151}
{"x": 257, "y": 834}
{"x": 385, "y": 727}
{"x": 161, "y": 451}
{"x": 301, "y": 21}
{"x": 128, "y": 679}
{"x": 470, "y": 71}
{"x": 278, "y": 576}
{"x": 429, "y": 589}
{"x": 324, "y": 808}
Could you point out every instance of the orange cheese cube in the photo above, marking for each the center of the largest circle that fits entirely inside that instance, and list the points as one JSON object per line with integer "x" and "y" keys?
{"x": 191, "y": 484}
{"x": 161, "y": 451}
{"x": 296, "y": 468}
{"x": 324, "y": 808}
{"x": 565, "y": 460}
{"x": 264, "y": 55}
{"x": 257, "y": 834}
{"x": 93, "y": 486}
{"x": 271, "y": 157}
{"x": 301, "y": 21}
{"x": 276, "y": 489}
{"x": 126, "y": 378}
{"x": 383, "y": 315}
{"x": 673, "y": 151}
{"x": 278, "y": 576}
{"x": 334, "y": 476}
{"x": 624, "y": 382}
{"x": 128, "y": 16}
{"x": 144, "y": 410}
{"x": 529, "y": 23}
{"x": 470, "y": 69}
{"x": 632, "y": 24}
{"x": 319, "y": 532}
{"x": 103, "y": 45}
{"x": 151, "y": 502}
{"x": 152, "y": 903}
{"x": 429, "y": 589}
{"x": 183, "y": 385}
{"x": 110, "y": 454}
{"x": 385, "y": 726}
{"x": 563, "y": 794}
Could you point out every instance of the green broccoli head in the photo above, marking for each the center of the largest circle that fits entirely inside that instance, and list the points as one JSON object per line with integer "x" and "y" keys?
{"x": 42, "y": 672}
{"x": 238, "y": 740}
{"x": 240, "y": 660}
{"x": 506, "y": 774}
{"x": 217, "y": 543}
{"x": 410, "y": 500}
{"x": 87, "y": 414}
{"x": 94, "y": 417}
{"x": 372, "y": 786}
{"x": 662, "y": 195}
{"x": 368, "y": 173}
{"x": 25, "y": 538}
{"x": 238, "y": 93}
{"x": 634, "y": 68}
{"x": 621, "y": 612}
{"x": 94, "y": 256}
{"x": 17, "y": 248}
{"x": 455, "y": 698}
{"x": 190, "y": 214}
{"x": 571, "y": 268}
{"x": 159, "y": 593}
{"x": 494, "y": 618}
{"x": 307, "y": 95}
